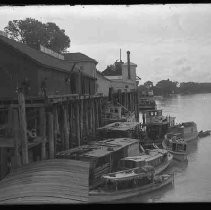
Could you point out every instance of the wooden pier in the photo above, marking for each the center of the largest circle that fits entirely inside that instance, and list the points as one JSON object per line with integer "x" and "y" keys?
{"x": 60, "y": 123}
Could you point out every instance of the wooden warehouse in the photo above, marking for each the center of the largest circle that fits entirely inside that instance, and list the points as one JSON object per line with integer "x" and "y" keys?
{"x": 21, "y": 64}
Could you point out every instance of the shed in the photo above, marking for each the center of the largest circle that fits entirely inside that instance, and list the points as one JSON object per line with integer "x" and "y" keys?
{"x": 20, "y": 62}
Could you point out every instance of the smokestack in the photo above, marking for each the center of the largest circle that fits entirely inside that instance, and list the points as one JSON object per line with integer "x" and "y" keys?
{"x": 128, "y": 63}
{"x": 120, "y": 56}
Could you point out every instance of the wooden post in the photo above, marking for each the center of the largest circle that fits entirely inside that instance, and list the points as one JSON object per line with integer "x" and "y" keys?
{"x": 16, "y": 139}
{"x": 101, "y": 113}
{"x": 3, "y": 165}
{"x": 87, "y": 116}
{"x": 42, "y": 129}
{"x": 81, "y": 117}
{"x": 136, "y": 106}
{"x": 10, "y": 121}
{"x": 50, "y": 135}
{"x": 93, "y": 117}
{"x": 90, "y": 117}
{"x": 97, "y": 112}
{"x": 71, "y": 123}
{"x": 66, "y": 127}
{"x": 23, "y": 128}
{"x": 55, "y": 125}
{"x": 77, "y": 123}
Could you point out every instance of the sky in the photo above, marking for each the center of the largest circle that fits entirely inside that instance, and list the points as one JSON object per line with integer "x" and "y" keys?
{"x": 165, "y": 41}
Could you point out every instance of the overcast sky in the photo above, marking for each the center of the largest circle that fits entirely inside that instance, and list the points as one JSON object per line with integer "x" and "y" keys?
{"x": 165, "y": 41}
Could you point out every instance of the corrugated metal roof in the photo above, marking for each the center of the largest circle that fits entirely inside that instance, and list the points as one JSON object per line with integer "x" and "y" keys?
{"x": 47, "y": 182}
{"x": 78, "y": 57}
{"x": 41, "y": 57}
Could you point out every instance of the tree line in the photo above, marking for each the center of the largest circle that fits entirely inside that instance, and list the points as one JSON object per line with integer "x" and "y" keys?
{"x": 166, "y": 87}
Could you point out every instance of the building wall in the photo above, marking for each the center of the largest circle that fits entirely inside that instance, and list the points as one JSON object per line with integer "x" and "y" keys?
{"x": 122, "y": 82}
{"x": 132, "y": 74}
{"x": 103, "y": 85}
{"x": 120, "y": 85}
{"x": 55, "y": 83}
{"x": 13, "y": 69}
{"x": 87, "y": 67}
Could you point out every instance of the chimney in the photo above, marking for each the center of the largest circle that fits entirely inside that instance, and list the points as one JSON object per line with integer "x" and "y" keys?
{"x": 128, "y": 63}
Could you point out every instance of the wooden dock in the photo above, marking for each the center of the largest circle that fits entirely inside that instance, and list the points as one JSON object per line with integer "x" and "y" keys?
{"x": 47, "y": 182}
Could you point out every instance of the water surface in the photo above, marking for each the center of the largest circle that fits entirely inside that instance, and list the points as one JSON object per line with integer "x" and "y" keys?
{"x": 192, "y": 178}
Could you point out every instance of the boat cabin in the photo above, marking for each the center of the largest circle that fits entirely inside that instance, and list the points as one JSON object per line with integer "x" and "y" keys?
{"x": 156, "y": 124}
{"x": 103, "y": 156}
{"x": 120, "y": 130}
{"x": 176, "y": 142}
{"x": 187, "y": 129}
{"x": 151, "y": 158}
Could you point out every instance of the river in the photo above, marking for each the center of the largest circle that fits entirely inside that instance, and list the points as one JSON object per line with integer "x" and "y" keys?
{"x": 193, "y": 178}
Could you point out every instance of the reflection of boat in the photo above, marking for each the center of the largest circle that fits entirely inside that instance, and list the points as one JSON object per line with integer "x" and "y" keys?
{"x": 187, "y": 129}
{"x": 176, "y": 146}
{"x": 129, "y": 183}
{"x": 202, "y": 133}
{"x": 158, "y": 158}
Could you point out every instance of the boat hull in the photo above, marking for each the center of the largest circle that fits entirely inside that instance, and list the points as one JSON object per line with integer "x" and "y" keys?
{"x": 163, "y": 166}
{"x": 103, "y": 197}
{"x": 181, "y": 156}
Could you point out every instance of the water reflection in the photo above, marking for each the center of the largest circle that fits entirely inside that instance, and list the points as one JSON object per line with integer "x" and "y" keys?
{"x": 192, "y": 178}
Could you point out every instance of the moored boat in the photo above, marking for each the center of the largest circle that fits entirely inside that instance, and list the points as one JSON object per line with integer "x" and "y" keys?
{"x": 157, "y": 158}
{"x": 202, "y": 133}
{"x": 187, "y": 129}
{"x": 128, "y": 183}
{"x": 176, "y": 145}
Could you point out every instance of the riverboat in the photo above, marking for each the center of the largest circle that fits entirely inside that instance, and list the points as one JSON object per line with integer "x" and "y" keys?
{"x": 155, "y": 126}
{"x": 176, "y": 145}
{"x": 146, "y": 99}
{"x": 129, "y": 183}
{"x": 103, "y": 156}
{"x": 157, "y": 158}
{"x": 202, "y": 133}
{"x": 187, "y": 129}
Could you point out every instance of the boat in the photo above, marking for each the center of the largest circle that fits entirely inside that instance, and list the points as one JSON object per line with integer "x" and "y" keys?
{"x": 103, "y": 156}
{"x": 146, "y": 99}
{"x": 158, "y": 158}
{"x": 187, "y": 129}
{"x": 202, "y": 133}
{"x": 155, "y": 126}
{"x": 176, "y": 145}
{"x": 129, "y": 183}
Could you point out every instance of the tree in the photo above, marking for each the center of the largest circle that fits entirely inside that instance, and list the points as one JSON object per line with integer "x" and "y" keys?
{"x": 165, "y": 87}
{"x": 33, "y": 33}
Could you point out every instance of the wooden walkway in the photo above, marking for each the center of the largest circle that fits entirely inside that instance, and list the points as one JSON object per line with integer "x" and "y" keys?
{"x": 47, "y": 182}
